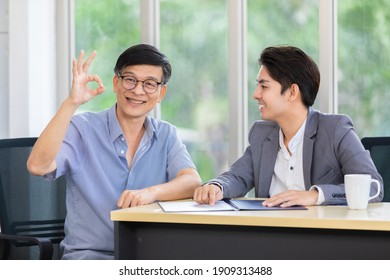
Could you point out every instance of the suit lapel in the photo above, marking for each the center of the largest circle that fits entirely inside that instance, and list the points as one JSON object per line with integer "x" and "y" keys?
{"x": 308, "y": 146}
{"x": 268, "y": 159}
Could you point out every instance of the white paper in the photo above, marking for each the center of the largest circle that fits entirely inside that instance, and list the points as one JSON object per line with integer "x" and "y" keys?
{"x": 192, "y": 206}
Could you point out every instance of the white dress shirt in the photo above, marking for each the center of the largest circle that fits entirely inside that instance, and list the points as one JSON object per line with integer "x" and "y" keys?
{"x": 288, "y": 171}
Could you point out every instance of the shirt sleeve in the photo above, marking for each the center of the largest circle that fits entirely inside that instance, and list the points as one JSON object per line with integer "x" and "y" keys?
{"x": 178, "y": 156}
{"x": 321, "y": 197}
{"x": 71, "y": 153}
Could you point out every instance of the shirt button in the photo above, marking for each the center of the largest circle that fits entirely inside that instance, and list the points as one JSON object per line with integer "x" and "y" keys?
{"x": 122, "y": 151}
{"x": 123, "y": 139}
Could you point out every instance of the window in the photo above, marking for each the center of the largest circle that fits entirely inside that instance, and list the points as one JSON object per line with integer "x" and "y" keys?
{"x": 279, "y": 23}
{"x": 194, "y": 35}
{"x": 363, "y": 65}
{"x": 109, "y": 27}
{"x": 197, "y": 99}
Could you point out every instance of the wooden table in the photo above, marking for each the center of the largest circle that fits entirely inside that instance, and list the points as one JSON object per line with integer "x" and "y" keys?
{"x": 321, "y": 232}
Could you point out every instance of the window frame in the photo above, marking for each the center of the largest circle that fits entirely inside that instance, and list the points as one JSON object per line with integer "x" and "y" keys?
{"x": 237, "y": 64}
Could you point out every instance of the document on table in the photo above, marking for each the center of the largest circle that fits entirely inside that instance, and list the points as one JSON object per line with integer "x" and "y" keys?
{"x": 223, "y": 205}
{"x": 192, "y": 206}
{"x": 251, "y": 204}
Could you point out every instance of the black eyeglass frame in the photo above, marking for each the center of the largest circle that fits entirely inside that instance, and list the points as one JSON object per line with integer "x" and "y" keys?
{"x": 139, "y": 81}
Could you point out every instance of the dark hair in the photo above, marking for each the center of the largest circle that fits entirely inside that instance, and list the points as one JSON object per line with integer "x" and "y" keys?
{"x": 289, "y": 65}
{"x": 144, "y": 54}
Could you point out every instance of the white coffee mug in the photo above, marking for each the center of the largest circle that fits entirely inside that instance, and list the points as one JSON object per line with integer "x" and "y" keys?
{"x": 357, "y": 190}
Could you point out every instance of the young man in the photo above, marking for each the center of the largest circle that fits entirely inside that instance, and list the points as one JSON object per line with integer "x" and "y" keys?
{"x": 296, "y": 155}
{"x": 120, "y": 157}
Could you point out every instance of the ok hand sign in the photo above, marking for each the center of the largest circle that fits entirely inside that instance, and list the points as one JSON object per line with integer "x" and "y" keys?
{"x": 80, "y": 92}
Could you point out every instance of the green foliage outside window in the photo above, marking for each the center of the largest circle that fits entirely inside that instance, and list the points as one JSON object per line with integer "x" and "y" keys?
{"x": 194, "y": 37}
{"x": 109, "y": 27}
{"x": 363, "y": 64}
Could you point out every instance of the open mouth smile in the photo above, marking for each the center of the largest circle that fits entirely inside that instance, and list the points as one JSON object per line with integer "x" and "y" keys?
{"x": 135, "y": 101}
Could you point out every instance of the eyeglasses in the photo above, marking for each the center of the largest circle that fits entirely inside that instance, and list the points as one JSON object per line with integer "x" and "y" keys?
{"x": 149, "y": 86}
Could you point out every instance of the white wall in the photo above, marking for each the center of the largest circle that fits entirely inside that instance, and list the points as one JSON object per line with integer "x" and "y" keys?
{"x": 4, "y": 51}
{"x": 32, "y": 66}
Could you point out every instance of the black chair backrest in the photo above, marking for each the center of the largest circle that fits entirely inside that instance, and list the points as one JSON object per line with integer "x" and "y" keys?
{"x": 29, "y": 205}
{"x": 379, "y": 148}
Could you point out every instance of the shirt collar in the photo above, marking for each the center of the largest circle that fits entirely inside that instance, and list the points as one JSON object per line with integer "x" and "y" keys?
{"x": 295, "y": 141}
{"x": 150, "y": 128}
{"x": 116, "y": 130}
{"x": 113, "y": 124}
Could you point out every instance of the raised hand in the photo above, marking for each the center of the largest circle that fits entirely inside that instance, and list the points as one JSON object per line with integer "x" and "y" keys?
{"x": 80, "y": 92}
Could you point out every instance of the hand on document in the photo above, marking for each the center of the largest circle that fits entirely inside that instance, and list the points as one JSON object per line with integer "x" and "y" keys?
{"x": 208, "y": 194}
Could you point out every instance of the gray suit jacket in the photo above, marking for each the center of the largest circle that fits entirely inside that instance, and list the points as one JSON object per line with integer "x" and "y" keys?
{"x": 331, "y": 148}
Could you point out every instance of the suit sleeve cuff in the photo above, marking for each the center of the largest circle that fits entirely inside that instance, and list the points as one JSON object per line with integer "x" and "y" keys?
{"x": 214, "y": 183}
{"x": 321, "y": 198}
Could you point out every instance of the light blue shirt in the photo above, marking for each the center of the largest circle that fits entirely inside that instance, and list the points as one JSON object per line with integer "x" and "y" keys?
{"x": 93, "y": 158}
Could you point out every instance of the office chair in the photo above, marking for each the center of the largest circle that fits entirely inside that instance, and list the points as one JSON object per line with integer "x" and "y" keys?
{"x": 32, "y": 210}
{"x": 379, "y": 148}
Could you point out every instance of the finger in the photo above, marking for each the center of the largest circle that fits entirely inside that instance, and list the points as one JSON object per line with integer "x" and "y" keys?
{"x": 202, "y": 196}
{"x": 100, "y": 89}
{"x": 99, "y": 81}
{"x": 80, "y": 61}
{"x": 273, "y": 201}
{"x": 89, "y": 61}
{"x": 120, "y": 200}
{"x": 129, "y": 200}
{"x": 287, "y": 204}
{"x": 205, "y": 194}
{"x": 212, "y": 195}
{"x": 267, "y": 201}
{"x": 196, "y": 194}
{"x": 74, "y": 67}
{"x": 135, "y": 201}
{"x": 125, "y": 199}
